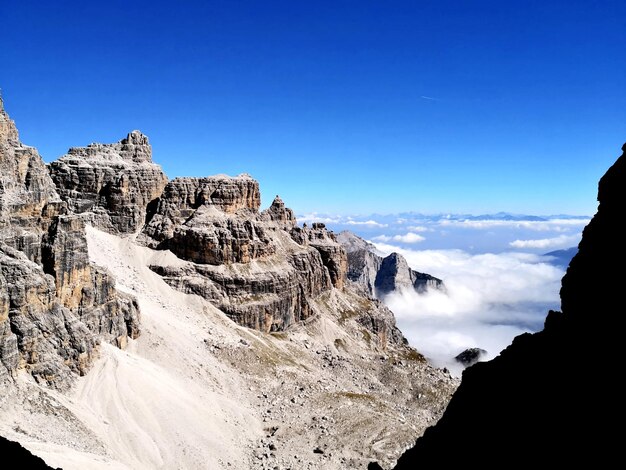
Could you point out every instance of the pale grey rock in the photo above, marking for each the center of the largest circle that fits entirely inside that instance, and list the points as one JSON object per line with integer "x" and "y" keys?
{"x": 272, "y": 298}
{"x": 352, "y": 242}
{"x": 25, "y": 186}
{"x": 54, "y": 306}
{"x": 378, "y": 276}
{"x": 38, "y": 333}
{"x": 87, "y": 289}
{"x": 379, "y": 320}
{"x": 280, "y": 214}
{"x": 259, "y": 268}
{"x": 112, "y": 183}
{"x": 333, "y": 254}
{"x": 207, "y": 239}
{"x": 395, "y": 274}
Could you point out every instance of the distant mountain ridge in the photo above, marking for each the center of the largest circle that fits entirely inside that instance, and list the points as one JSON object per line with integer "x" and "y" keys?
{"x": 561, "y": 258}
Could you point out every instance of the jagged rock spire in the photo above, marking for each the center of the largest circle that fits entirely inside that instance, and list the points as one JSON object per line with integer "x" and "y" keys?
{"x": 8, "y": 131}
{"x": 277, "y": 212}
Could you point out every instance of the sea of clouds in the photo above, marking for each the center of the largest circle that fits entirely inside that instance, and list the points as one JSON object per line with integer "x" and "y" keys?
{"x": 499, "y": 282}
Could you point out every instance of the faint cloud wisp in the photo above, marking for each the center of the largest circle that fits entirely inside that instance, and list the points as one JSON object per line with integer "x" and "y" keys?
{"x": 562, "y": 241}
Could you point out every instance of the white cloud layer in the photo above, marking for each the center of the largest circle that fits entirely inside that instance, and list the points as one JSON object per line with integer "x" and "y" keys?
{"x": 490, "y": 299}
{"x": 556, "y": 225}
{"x": 419, "y": 228}
{"x": 369, "y": 223}
{"x": 315, "y": 217}
{"x": 562, "y": 241}
{"x": 409, "y": 237}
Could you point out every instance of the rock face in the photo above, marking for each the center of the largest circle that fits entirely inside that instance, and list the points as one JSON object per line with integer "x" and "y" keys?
{"x": 394, "y": 274}
{"x": 113, "y": 183}
{"x": 209, "y": 220}
{"x": 259, "y": 268}
{"x": 380, "y": 276}
{"x": 545, "y": 399}
{"x": 25, "y": 186}
{"x": 333, "y": 255}
{"x": 470, "y": 356}
{"x": 17, "y": 453}
{"x": 54, "y": 306}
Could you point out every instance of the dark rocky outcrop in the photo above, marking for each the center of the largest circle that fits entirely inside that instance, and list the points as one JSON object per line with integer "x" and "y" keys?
{"x": 20, "y": 457}
{"x": 378, "y": 276}
{"x": 550, "y": 397}
{"x": 470, "y": 356}
{"x": 55, "y": 307}
{"x": 561, "y": 258}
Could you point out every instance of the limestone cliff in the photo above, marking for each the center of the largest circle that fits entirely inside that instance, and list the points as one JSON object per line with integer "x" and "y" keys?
{"x": 54, "y": 306}
{"x": 112, "y": 183}
{"x": 258, "y": 267}
{"x": 548, "y": 398}
{"x": 378, "y": 276}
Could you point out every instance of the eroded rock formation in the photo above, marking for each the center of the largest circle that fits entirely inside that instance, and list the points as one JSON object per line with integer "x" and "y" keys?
{"x": 112, "y": 183}
{"x": 54, "y": 306}
{"x": 258, "y": 267}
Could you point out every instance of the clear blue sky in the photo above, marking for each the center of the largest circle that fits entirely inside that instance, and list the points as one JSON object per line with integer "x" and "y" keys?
{"x": 339, "y": 106}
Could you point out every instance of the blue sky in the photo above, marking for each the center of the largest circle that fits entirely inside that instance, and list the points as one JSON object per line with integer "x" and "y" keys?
{"x": 343, "y": 106}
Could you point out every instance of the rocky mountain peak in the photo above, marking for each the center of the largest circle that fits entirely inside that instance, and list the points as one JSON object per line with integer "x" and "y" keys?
{"x": 277, "y": 212}
{"x": 352, "y": 242}
{"x": 111, "y": 183}
{"x": 26, "y": 190}
{"x": 379, "y": 276}
{"x": 332, "y": 357}
{"x": 8, "y": 131}
{"x": 134, "y": 148}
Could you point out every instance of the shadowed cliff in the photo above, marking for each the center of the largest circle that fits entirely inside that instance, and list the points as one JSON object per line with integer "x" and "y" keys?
{"x": 552, "y": 396}
{"x": 22, "y": 458}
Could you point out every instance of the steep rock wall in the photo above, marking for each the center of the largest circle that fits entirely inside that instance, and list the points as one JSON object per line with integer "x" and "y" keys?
{"x": 112, "y": 183}
{"x": 54, "y": 306}
{"x": 259, "y": 268}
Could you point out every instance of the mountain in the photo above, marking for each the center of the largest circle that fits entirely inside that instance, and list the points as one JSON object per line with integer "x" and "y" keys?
{"x": 561, "y": 258}
{"x": 55, "y": 306}
{"x": 549, "y": 398}
{"x": 378, "y": 276}
{"x": 155, "y": 323}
